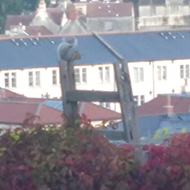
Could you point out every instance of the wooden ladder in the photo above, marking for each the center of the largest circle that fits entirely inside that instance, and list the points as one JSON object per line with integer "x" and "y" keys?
{"x": 123, "y": 95}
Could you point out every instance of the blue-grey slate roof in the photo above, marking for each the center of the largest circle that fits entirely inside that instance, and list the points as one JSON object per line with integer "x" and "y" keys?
{"x": 134, "y": 47}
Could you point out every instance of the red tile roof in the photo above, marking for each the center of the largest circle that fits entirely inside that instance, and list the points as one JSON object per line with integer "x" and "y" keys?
{"x": 97, "y": 113}
{"x": 55, "y": 14}
{"x": 109, "y": 9}
{"x": 37, "y": 30}
{"x": 14, "y": 20}
{"x": 157, "y": 105}
{"x": 4, "y": 94}
{"x": 16, "y": 113}
{"x": 18, "y": 107}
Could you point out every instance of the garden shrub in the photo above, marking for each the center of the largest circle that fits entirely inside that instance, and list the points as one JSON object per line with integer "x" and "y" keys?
{"x": 59, "y": 158}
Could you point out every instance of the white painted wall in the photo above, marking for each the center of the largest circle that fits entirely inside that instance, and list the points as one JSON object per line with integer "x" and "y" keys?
{"x": 153, "y": 16}
{"x": 150, "y": 87}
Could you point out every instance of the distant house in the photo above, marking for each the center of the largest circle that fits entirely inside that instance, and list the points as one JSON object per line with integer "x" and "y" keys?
{"x": 159, "y": 63}
{"x": 108, "y": 17}
{"x": 68, "y": 18}
{"x": 157, "y": 14}
{"x": 15, "y": 109}
{"x": 152, "y": 127}
{"x": 176, "y": 103}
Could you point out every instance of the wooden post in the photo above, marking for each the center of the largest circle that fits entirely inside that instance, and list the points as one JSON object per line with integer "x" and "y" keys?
{"x": 68, "y": 84}
{"x": 127, "y": 102}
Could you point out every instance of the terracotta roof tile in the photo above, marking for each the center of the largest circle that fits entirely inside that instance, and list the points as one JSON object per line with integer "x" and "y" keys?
{"x": 97, "y": 113}
{"x": 13, "y": 20}
{"x": 109, "y": 9}
{"x": 55, "y": 14}
{"x": 37, "y": 30}
{"x": 157, "y": 105}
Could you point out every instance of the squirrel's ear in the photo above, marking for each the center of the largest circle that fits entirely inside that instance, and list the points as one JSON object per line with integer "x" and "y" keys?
{"x": 77, "y": 56}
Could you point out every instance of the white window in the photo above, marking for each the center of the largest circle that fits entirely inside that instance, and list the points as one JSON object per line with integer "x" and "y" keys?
{"x": 184, "y": 71}
{"x": 138, "y": 74}
{"x": 10, "y": 80}
{"x": 13, "y": 79}
{"x": 37, "y": 78}
{"x": 30, "y": 78}
{"x": 80, "y": 75}
{"x": 174, "y": 8}
{"x": 54, "y": 77}
{"x": 108, "y": 26}
{"x": 153, "y": 10}
{"x": 107, "y": 74}
{"x": 161, "y": 72}
{"x": 104, "y": 73}
{"x": 105, "y": 105}
{"x": 142, "y": 100}
{"x": 77, "y": 75}
{"x": 139, "y": 100}
{"x": 6, "y": 75}
{"x": 84, "y": 77}
{"x": 34, "y": 78}
{"x": 100, "y": 73}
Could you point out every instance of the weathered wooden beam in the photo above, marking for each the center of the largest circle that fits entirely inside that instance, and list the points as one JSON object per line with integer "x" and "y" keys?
{"x": 127, "y": 102}
{"x": 68, "y": 84}
{"x": 92, "y": 96}
{"x": 112, "y": 135}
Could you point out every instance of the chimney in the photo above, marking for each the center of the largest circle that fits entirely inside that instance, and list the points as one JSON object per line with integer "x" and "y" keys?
{"x": 41, "y": 6}
{"x": 169, "y": 107}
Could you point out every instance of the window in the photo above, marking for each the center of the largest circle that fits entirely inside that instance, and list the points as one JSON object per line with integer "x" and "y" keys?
{"x": 54, "y": 77}
{"x": 161, "y": 72}
{"x": 164, "y": 73}
{"x": 138, "y": 74}
{"x": 30, "y": 74}
{"x": 100, "y": 71}
{"x": 153, "y": 10}
{"x": 6, "y": 79}
{"x": 139, "y": 100}
{"x": 80, "y": 75}
{"x": 108, "y": 26}
{"x": 136, "y": 100}
{"x": 13, "y": 78}
{"x": 77, "y": 75}
{"x": 104, "y": 74}
{"x": 142, "y": 99}
{"x": 34, "y": 78}
{"x": 10, "y": 79}
{"x": 105, "y": 105}
{"x": 187, "y": 71}
{"x": 175, "y": 8}
{"x": 184, "y": 71}
{"x": 181, "y": 71}
{"x": 84, "y": 78}
{"x": 37, "y": 78}
{"x": 107, "y": 74}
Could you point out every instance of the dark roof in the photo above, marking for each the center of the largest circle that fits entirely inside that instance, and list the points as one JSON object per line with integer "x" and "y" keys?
{"x": 134, "y": 47}
{"x": 157, "y": 105}
{"x": 153, "y": 2}
{"x": 109, "y": 9}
